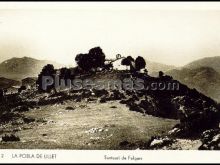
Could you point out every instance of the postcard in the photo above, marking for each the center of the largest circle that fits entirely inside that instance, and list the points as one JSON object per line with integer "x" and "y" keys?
{"x": 109, "y": 82}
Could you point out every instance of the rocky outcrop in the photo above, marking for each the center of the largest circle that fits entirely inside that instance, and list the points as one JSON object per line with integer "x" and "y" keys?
{"x": 210, "y": 140}
{"x": 10, "y": 138}
{"x": 159, "y": 142}
{"x": 195, "y": 111}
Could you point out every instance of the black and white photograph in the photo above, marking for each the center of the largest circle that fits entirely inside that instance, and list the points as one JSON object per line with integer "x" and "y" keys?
{"x": 109, "y": 76}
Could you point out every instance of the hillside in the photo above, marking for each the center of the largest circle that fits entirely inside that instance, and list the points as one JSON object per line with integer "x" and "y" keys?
{"x": 212, "y": 62}
{"x": 89, "y": 126}
{"x": 155, "y": 67}
{"x": 204, "y": 79}
{"x": 7, "y": 83}
{"x": 106, "y": 119}
{"x": 20, "y": 68}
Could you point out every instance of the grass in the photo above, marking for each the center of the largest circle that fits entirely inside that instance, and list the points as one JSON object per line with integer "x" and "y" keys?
{"x": 68, "y": 129}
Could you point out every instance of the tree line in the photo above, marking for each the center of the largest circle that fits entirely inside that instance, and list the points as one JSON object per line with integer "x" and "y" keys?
{"x": 91, "y": 62}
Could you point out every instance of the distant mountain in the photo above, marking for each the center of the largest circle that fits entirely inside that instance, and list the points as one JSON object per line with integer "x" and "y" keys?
{"x": 213, "y": 62}
{"x": 20, "y": 68}
{"x": 154, "y": 67}
{"x": 7, "y": 83}
{"x": 202, "y": 74}
{"x": 204, "y": 79}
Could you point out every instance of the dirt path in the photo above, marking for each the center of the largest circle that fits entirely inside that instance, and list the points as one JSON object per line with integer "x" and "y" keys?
{"x": 89, "y": 126}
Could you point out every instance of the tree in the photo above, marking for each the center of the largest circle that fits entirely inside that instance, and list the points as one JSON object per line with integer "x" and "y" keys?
{"x": 84, "y": 61}
{"x": 66, "y": 75}
{"x": 130, "y": 58}
{"x": 97, "y": 56}
{"x": 140, "y": 63}
{"x": 93, "y": 60}
{"x": 47, "y": 70}
{"x": 75, "y": 71}
{"x": 127, "y": 61}
{"x": 161, "y": 74}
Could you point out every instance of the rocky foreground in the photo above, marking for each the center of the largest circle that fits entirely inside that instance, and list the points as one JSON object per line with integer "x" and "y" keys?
{"x": 184, "y": 119}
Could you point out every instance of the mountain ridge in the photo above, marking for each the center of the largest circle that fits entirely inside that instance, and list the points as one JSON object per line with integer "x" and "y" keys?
{"x": 20, "y": 68}
{"x": 205, "y": 79}
{"x": 154, "y": 67}
{"x": 213, "y": 62}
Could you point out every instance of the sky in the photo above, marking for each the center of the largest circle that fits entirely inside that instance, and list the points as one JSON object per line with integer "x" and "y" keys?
{"x": 166, "y": 33}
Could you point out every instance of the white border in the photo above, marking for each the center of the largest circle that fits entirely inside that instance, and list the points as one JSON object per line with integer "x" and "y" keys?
{"x": 112, "y": 5}
{"x": 94, "y": 156}
{"x": 98, "y": 156}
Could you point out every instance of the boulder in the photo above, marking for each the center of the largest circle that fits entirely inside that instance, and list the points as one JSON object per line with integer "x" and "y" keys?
{"x": 116, "y": 95}
{"x": 127, "y": 101}
{"x": 70, "y": 108}
{"x": 113, "y": 106}
{"x": 22, "y": 108}
{"x": 157, "y": 142}
{"x": 22, "y": 88}
{"x": 100, "y": 93}
{"x": 127, "y": 145}
{"x": 10, "y": 138}
{"x": 86, "y": 94}
{"x": 174, "y": 131}
{"x": 210, "y": 140}
{"x": 78, "y": 99}
{"x": 135, "y": 107}
{"x": 28, "y": 120}
{"x": 103, "y": 99}
{"x": 196, "y": 115}
{"x": 148, "y": 107}
{"x": 9, "y": 116}
{"x": 124, "y": 143}
{"x": 90, "y": 99}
